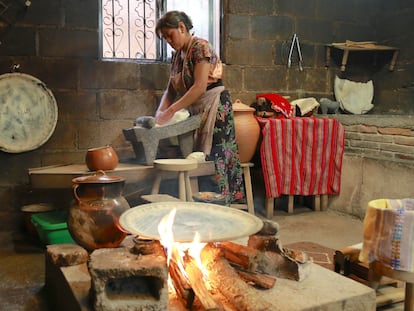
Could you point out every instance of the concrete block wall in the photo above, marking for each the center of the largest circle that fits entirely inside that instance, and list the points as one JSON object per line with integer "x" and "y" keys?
{"x": 258, "y": 36}
{"x": 58, "y": 43}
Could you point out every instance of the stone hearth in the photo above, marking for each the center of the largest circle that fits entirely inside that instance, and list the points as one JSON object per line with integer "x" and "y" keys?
{"x": 67, "y": 275}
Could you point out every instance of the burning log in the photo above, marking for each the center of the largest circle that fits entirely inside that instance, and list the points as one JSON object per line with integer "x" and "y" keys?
{"x": 223, "y": 277}
{"x": 247, "y": 258}
{"x": 181, "y": 285}
{"x": 196, "y": 280}
{"x": 241, "y": 255}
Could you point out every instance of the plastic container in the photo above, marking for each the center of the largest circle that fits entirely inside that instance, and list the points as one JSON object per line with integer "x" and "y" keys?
{"x": 52, "y": 227}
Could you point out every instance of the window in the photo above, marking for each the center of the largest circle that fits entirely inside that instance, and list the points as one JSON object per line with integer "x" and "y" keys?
{"x": 128, "y": 26}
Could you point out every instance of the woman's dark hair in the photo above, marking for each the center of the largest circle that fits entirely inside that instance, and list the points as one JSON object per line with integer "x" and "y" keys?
{"x": 171, "y": 20}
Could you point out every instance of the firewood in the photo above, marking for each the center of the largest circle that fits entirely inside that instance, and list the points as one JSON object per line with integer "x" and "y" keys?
{"x": 176, "y": 303}
{"x": 224, "y": 278}
{"x": 278, "y": 261}
{"x": 344, "y": 258}
{"x": 225, "y": 305}
{"x": 197, "y": 283}
{"x": 296, "y": 255}
{"x": 258, "y": 279}
{"x": 280, "y": 265}
{"x": 241, "y": 255}
{"x": 181, "y": 285}
{"x": 264, "y": 243}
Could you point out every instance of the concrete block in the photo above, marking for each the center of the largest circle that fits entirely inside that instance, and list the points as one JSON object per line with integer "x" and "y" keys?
{"x": 238, "y": 26}
{"x": 271, "y": 27}
{"x": 269, "y": 79}
{"x": 18, "y": 41}
{"x": 248, "y": 6}
{"x": 78, "y": 284}
{"x": 63, "y": 255}
{"x": 109, "y": 75}
{"x": 77, "y": 13}
{"x": 130, "y": 104}
{"x": 77, "y": 43}
{"x": 76, "y": 105}
{"x": 125, "y": 281}
{"x": 154, "y": 77}
{"x": 67, "y": 280}
{"x": 54, "y": 73}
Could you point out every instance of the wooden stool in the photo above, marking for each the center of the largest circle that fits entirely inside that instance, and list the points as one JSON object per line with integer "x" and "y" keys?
{"x": 182, "y": 166}
{"x": 377, "y": 270}
{"x": 248, "y": 188}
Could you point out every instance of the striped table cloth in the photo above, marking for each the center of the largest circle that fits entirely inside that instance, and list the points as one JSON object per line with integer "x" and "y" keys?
{"x": 301, "y": 155}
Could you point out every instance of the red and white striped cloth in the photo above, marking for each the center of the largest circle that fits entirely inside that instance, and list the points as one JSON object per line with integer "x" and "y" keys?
{"x": 301, "y": 156}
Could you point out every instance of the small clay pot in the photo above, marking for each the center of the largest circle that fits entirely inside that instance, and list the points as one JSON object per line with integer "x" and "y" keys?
{"x": 101, "y": 158}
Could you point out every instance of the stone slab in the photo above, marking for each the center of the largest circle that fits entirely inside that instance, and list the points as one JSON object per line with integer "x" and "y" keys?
{"x": 322, "y": 289}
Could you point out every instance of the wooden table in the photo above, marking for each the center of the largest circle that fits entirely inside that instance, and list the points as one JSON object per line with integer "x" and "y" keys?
{"x": 60, "y": 176}
{"x": 347, "y": 48}
{"x": 301, "y": 156}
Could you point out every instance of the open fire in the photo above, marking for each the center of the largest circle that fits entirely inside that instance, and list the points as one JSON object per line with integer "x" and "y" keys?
{"x": 255, "y": 275}
{"x": 225, "y": 275}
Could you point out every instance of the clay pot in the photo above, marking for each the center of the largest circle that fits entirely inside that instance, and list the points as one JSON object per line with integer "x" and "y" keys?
{"x": 101, "y": 158}
{"x": 93, "y": 219}
{"x": 247, "y": 130}
{"x": 29, "y": 211}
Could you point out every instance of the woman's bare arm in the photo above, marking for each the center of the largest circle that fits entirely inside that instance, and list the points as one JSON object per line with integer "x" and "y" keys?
{"x": 166, "y": 111}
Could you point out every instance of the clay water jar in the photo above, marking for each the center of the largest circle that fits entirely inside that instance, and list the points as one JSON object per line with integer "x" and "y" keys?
{"x": 247, "y": 130}
{"x": 101, "y": 158}
{"x": 93, "y": 219}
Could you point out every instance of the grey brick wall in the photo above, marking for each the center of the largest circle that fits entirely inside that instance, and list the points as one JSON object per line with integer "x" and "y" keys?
{"x": 58, "y": 42}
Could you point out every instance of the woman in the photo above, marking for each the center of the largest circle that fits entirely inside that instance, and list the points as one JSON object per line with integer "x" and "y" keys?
{"x": 195, "y": 84}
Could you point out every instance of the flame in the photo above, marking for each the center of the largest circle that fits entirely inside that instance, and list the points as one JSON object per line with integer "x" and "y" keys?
{"x": 178, "y": 251}
{"x": 166, "y": 233}
{"x": 194, "y": 250}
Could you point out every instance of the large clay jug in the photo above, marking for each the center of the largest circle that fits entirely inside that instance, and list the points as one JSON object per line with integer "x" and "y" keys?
{"x": 93, "y": 219}
{"x": 247, "y": 130}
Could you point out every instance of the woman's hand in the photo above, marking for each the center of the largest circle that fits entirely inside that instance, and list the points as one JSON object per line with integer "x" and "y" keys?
{"x": 162, "y": 117}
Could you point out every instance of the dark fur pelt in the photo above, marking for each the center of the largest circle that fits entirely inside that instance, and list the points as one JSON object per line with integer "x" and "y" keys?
{"x": 145, "y": 121}
{"x": 263, "y": 108}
